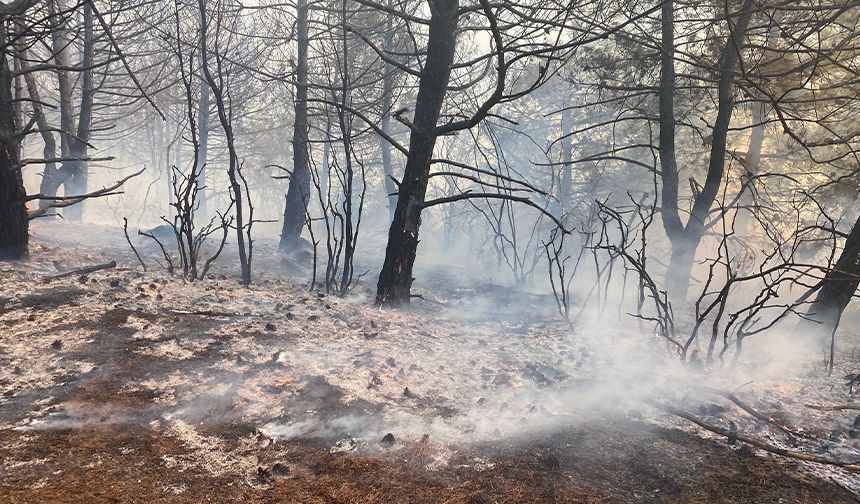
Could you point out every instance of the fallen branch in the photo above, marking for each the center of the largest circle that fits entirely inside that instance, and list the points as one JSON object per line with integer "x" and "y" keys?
{"x": 213, "y": 313}
{"x": 81, "y": 271}
{"x": 838, "y": 407}
{"x": 790, "y": 434}
{"x": 851, "y": 466}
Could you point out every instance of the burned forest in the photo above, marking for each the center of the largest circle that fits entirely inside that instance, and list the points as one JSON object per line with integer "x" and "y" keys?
{"x": 429, "y": 251}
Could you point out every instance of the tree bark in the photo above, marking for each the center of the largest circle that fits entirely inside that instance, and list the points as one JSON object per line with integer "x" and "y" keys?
{"x": 77, "y": 172}
{"x": 298, "y": 193}
{"x": 14, "y": 225}
{"x": 234, "y": 166}
{"x": 395, "y": 279}
{"x": 51, "y": 178}
{"x": 685, "y": 239}
{"x": 838, "y": 286}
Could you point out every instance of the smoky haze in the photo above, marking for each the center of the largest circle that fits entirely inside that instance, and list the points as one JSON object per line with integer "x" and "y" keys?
{"x": 434, "y": 232}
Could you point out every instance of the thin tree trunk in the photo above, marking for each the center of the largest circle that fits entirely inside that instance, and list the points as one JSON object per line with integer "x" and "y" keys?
{"x": 203, "y": 137}
{"x": 751, "y": 164}
{"x": 298, "y": 193}
{"x": 388, "y": 184}
{"x": 565, "y": 181}
{"x": 51, "y": 178}
{"x": 395, "y": 279}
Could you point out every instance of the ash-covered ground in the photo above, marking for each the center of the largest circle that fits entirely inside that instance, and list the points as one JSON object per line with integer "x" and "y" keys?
{"x": 125, "y": 386}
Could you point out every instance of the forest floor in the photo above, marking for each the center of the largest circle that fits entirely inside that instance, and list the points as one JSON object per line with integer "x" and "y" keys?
{"x": 124, "y": 386}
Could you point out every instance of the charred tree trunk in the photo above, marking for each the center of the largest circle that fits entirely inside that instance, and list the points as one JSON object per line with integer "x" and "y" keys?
{"x": 14, "y": 225}
{"x": 233, "y": 170}
{"x": 51, "y": 178}
{"x": 565, "y": 179}
{"x": 838, "y": 286}
{"x": 77, "y": 168}
{"x": 298, "y": 193}
{"x": 395, "y": 279}
{"x": 685, "y": 239}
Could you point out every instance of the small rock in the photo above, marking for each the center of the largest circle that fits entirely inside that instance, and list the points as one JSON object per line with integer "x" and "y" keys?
{"x": 543, "y": 375}
{"x": 502, "y": 379}
{"x": 344, "y": 445}
{"x": 375, "y": 381}
{"x": 387, "y": 440}
{"x": 280, "y": 470}
{"x": 263, "y": 474}
{"x": 31, "y": 317}
{"x": 409, "y": 394}
{"x": 854, "y": 432}
{"x": 391, "y": 362}
{"x": 313, "y": 318}
{"x": 270, "y": 326}
{"x": 215, "y": 346}
{"x": 57, "y": 344}
{"x": 114, "y": 283}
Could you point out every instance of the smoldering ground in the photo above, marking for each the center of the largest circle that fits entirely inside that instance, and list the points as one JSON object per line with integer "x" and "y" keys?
{"x": 478, "y": 367}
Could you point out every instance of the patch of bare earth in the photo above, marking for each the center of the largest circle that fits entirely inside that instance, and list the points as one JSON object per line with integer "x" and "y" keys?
{"x": 129, "y": 387}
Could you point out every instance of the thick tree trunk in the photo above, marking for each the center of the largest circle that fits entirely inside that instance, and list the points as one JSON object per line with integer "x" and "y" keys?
{"x": 680, "y": 268}
{"x": 14, "y": 225}
{"x": 838, "y": 285}
{"x": 298, "y": 193}
{"x": 686, "y": 238}
{"x": 75, "y": 182}
{"x": 77, "y": 170}
{"x": 395, "y": 279}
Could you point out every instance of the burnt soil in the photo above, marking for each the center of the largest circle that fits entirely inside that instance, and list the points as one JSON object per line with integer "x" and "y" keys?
{"x": 105, "y": 439}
